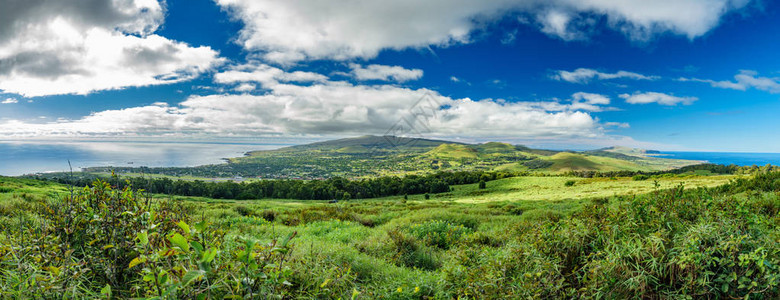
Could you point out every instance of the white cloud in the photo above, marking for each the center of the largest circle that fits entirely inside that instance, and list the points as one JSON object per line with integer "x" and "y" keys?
{"x": 558, "y": 23}
{"x": 744, "y": 80}
{"x": 245, "y": 87}
{"x": 68, "y": 47}
{"x": 585, "y": 75}
{"x": 330, "y": 108}
{"x": 9, "y": 101}
{"x": 266, "y": 75}
{"x": 640, "y": 20}
{"x": 660, "y": 98}
{"x": 617, "y": 124}
{"x": 591, "y": 98}
{"x": 290, "y": 31}
{"x": 384, "y": 73}
{"x": 589, "y": 102}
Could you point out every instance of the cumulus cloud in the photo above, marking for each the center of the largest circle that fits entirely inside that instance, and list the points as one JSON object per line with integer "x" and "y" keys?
{"x": 640, "y": 20}
{"x": 654, "y": 97}
{"x": 589, "y": 102}
{"x": 266, "y": 75}
{"x": 245, "y": 87}
{"x": 384, "y": 73}
{"x": 9, "y": 101}
{"x": 744, "y": 80}
{"x": 82, "y": 46}
{"x": 585, "y": 75}
{"x": 329, "y": 108}
{"x": 289, "y": 31}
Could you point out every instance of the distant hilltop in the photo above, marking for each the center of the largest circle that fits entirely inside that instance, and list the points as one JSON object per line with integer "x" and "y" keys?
{"x": 392, "y": 155}
{"x": 630, "y": 151}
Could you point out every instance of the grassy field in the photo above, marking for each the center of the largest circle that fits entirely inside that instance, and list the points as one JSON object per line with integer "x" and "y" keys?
{"x": 547, "y": 188}
{"x": 526, "y": 237}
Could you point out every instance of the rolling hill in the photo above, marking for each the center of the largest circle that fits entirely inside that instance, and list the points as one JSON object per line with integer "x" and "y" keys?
{"x": 388, "y": 155}
{"x": 369, "y": 156}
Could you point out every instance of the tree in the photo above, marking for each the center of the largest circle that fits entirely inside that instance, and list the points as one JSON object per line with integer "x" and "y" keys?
{"x": 482, "y": 185}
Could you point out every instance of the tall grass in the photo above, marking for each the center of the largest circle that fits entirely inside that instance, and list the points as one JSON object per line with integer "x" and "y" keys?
{"x": 104, "y": 242}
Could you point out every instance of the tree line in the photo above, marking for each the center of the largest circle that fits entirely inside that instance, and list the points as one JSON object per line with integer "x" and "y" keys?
{"x": 713, "y": 168}
{"x": 328, "y": 189}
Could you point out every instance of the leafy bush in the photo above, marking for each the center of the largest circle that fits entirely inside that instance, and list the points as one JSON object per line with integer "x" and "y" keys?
{"x": 439, "y": 233}
{"x": 103, "y": 242}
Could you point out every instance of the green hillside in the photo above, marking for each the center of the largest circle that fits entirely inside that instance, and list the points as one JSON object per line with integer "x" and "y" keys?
{"x": 370, "y": 156}
{"x": 453, "y": 151}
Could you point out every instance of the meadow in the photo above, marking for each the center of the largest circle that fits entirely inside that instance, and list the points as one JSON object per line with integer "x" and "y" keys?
{"x": 524, "y": 237}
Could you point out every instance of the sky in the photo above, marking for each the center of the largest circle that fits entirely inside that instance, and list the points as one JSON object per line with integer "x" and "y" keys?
{"x": 691, "y": 75}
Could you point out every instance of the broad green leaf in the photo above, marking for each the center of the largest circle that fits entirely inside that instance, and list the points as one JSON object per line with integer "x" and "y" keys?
{"x": 201, "y": 226}
{"x": 179, "y": 241}
{"x": 162, "y": 277}
{"x": 143, "y": 238}
{"x": 106, "y": 290}
{"x": 197, "y": 246}
{"x": 209, "y": 255}
{"x": 192, "y": 275}
{"x": 136, "y": 261}
{"x": 184, "y": 227}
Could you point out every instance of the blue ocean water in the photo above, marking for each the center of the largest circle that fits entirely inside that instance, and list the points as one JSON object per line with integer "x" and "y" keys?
{"x": 18, "y": 158}
{"x": 728, "y": 158}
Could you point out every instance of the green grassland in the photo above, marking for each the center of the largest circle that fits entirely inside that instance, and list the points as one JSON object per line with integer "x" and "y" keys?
{"x": 525, "y": 237}
{"x": 554, "y": 188}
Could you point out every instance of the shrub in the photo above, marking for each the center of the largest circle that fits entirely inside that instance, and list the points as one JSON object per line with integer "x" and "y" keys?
{"x": 269, "y": 215}
{"x": 569, "y": 183}
{"x": 244, "y": 211}
{"x": 409, "y": 253}
{"x": 439, "y": 233}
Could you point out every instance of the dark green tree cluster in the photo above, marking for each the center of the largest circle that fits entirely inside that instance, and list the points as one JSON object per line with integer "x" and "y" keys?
{"x": 712, "y": 168}
{"x": 328, "y": 189}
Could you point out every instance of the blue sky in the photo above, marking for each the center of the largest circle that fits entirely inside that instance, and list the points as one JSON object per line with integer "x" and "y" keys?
{"x": 671, "y": 75}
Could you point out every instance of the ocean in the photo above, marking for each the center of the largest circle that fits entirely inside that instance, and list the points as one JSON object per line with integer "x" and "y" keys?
{"x": 22, "y": 157}
{"x": 728, "y": 158}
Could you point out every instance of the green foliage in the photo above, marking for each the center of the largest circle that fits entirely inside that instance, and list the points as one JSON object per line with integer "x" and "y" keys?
{"x": 569, "y": 183}
{"x": 101, "y": 242}
{"x": 439, "y": 233}
{"x": 668, "y": 243}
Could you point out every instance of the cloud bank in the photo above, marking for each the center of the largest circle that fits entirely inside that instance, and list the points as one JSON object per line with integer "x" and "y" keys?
{"x": 286, "y": 32}
{"x": 328, "y": 108}
{"x": 83, "y": 46}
